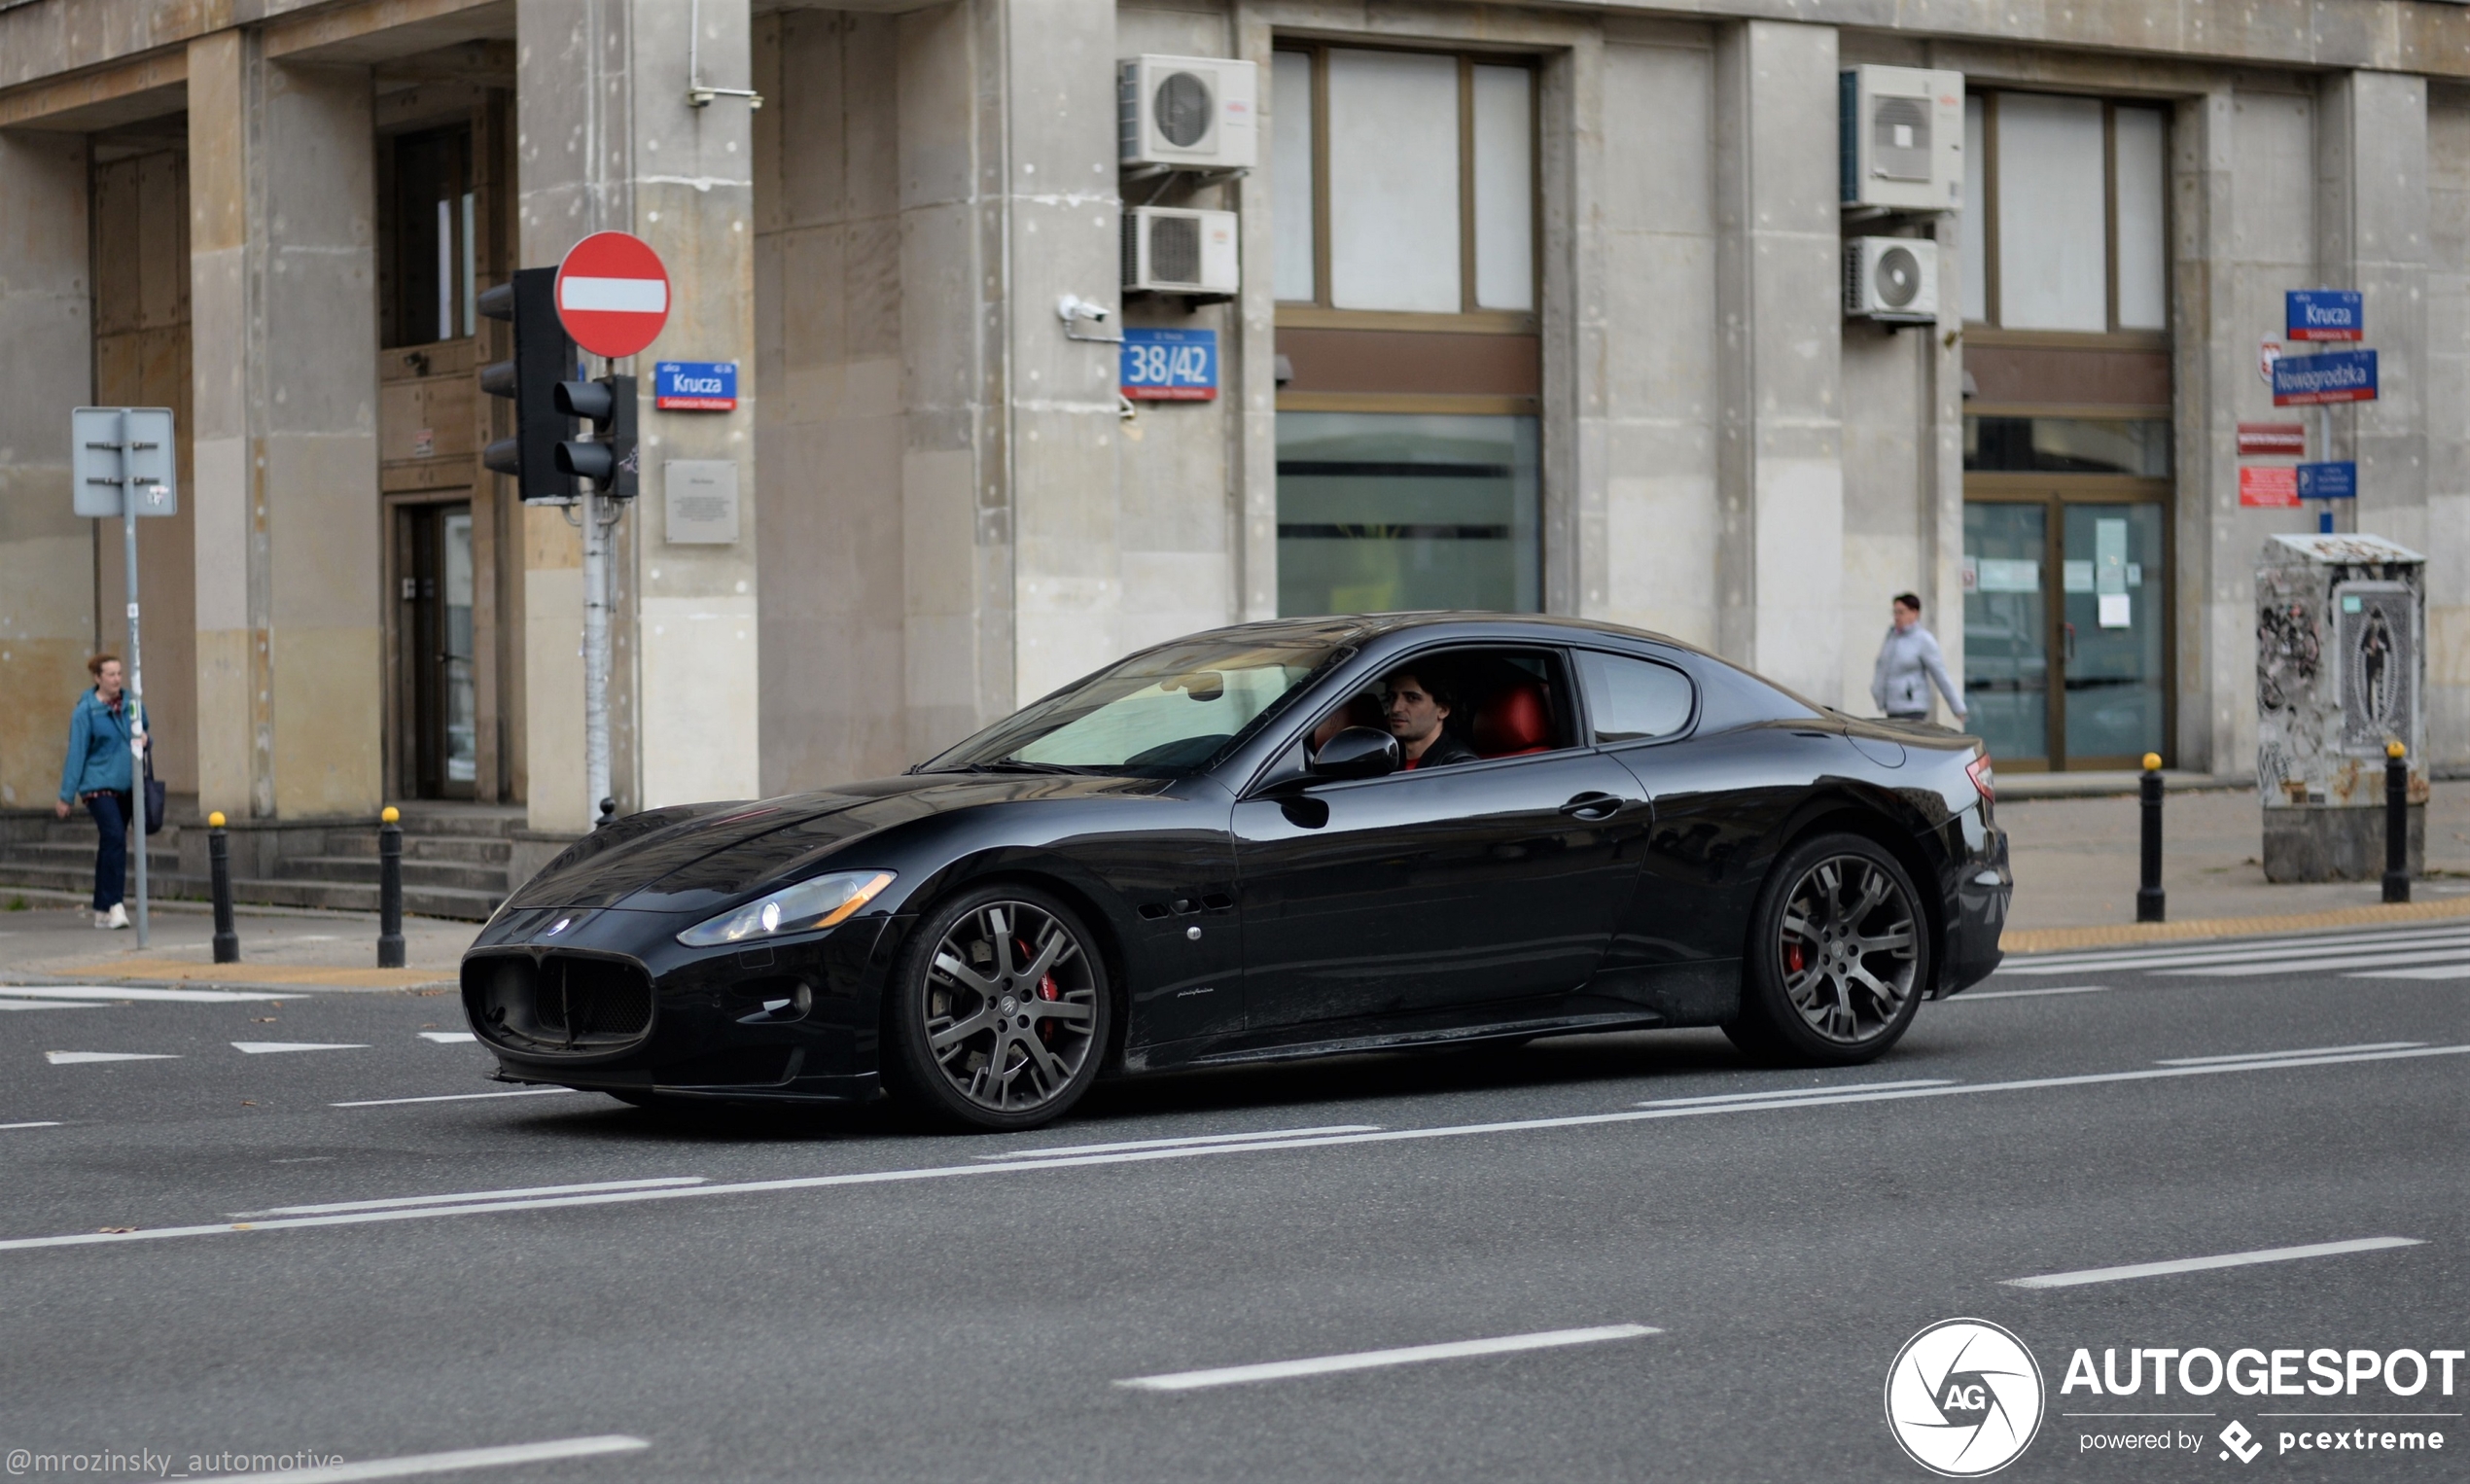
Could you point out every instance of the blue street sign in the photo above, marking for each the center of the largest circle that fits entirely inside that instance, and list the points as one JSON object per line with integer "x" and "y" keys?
{"x": 2334, "y": 375}
{"x": 2325, "y": 314}
{"x": 695, "y": 386}
{"x": 1170, "y": 365}
{"x": 2328, "y": 481}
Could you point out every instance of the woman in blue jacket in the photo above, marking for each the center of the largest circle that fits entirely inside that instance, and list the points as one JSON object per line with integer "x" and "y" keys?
{"x": 100, "y": 772}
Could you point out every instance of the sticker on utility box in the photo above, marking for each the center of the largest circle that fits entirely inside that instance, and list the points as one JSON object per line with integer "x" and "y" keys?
{"x": 1170, "y": 365}
{"x": 695, "y": 386}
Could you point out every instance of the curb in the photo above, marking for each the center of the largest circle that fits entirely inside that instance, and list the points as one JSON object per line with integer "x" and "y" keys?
{"x": 2128, "y": 934}
{"x": 180, "y": 973}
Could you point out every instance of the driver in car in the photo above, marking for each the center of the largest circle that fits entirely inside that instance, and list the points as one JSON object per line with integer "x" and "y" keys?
{"x": 1414, "y": 710}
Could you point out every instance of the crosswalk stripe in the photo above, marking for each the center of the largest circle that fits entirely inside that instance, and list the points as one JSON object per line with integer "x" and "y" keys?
{"x": 2430, "y": 971}
{"x": 2278, "y": 950}
{"x": 2346, "y": 960}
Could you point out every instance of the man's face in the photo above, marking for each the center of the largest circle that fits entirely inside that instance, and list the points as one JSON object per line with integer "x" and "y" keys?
{"x": 107, "y": 680}
{"x": 1414, "y": 717}
{"x": 1906, "y": 617}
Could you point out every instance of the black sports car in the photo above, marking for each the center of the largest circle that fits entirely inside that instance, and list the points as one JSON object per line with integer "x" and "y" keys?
{"x": 1219, "y": 851}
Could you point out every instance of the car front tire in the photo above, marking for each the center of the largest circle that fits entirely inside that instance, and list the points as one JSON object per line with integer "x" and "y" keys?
{"x": 1838, "y": 957}
{"x": 999, "y": 1010}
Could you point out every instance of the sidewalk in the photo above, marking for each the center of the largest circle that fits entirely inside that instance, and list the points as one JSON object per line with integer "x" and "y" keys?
{"x": 53, "y": 940}
{"x": 2075, "y": 867}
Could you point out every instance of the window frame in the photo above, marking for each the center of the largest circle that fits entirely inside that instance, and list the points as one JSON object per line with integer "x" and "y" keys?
{"x": 1586, "y": 702}
{"x": 1320, "y": 312}
{"x": 1991, "y": 329}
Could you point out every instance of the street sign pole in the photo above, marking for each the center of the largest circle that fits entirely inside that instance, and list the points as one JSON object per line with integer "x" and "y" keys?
{"x": 136, "y": 707}
{"x": 129, "y": 451}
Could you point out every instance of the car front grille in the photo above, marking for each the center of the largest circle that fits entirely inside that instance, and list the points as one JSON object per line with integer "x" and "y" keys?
{"x": 561, "y": 1003}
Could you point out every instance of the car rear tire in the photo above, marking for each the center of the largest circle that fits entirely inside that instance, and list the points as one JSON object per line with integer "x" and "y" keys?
{"x": 999, "y": 1010}
{"x": 1838, "y": 958}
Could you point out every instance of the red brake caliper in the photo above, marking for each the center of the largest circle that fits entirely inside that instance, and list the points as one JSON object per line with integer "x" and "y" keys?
{"x": 1792, "y": 955}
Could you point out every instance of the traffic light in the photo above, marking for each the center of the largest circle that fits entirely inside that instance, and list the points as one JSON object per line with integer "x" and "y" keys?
{"x": 543, "y": 357}
{"x": 608, "y": 459}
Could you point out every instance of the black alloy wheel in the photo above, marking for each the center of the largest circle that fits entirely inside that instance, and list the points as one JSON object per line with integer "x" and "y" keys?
{"x": 999, "y": 1010}
{"x": 1838, "y": 958}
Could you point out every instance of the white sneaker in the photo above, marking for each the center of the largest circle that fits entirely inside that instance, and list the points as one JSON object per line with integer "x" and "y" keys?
{"x": 119, "y": 917}
{"x": 102, "y": 920}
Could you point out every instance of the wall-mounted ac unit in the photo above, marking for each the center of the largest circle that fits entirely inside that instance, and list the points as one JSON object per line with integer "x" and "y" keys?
{"x": 1901, "y": 134}
{"x": 1167, "y": 250}
{"x": 1187, "y": 113}
{"x": 1895, "y": 279}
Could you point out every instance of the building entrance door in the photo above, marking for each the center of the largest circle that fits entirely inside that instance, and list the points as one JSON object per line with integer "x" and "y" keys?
{"x": 2066, "y": 628}
{"x": 434, "y": 582}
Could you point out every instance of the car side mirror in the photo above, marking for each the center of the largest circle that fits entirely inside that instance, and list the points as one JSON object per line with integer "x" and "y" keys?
{"x": 1359, "y": 752}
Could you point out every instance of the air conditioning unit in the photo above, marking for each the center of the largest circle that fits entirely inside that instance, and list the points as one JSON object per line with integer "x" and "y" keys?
{"x": 1167, "y": 250}
{"x": 1895, "y": 279}
{"x": 1187, "y": 113}
{"x": 1901, "y": 136}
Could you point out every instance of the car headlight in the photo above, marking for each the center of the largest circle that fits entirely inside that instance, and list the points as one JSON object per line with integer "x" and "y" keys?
{"x": 800, "y": 908}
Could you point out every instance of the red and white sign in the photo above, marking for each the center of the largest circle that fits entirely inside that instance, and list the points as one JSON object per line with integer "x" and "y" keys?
{"x": 2268, "y": 484}
{"x": 2265, "y": 354}
{"x": 613, "y": 295}
{"x": 2287, "y": 437}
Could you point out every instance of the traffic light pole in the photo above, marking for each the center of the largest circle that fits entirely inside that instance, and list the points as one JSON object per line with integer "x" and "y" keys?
{"x": 596, "y": 565}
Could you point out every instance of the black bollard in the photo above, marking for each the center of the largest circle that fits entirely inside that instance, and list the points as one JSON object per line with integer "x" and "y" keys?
{"x": 390, "y": 890}
{"x": 226, "y": 940}
{"x": 2396, "y": 823}
{"x": 2148, "y": 895}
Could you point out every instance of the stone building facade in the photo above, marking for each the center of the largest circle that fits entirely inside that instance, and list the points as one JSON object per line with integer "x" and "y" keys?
{"x": 1541, "y": 307}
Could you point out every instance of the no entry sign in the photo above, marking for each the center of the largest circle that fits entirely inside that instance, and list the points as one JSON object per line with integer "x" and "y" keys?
{"x": 613, "y": 295}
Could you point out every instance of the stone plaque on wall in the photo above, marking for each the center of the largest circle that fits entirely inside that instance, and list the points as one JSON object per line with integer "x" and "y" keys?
{"x": 703, "y": 501}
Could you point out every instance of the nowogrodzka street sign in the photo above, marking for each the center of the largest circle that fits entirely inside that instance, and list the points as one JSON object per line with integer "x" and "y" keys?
{"x": 2325, "y": 314}
{"x": 2336, "y": 375}
{"x": 612, "y": 294}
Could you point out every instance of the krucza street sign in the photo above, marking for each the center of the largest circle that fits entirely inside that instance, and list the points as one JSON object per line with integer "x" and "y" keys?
{"x": 2336, "y": 375}
{"x": 612, "y": 294}
{"x": 2325, "y": 314}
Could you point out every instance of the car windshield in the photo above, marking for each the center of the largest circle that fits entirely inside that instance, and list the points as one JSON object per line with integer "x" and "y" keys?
{"x": 1164, "y": 714}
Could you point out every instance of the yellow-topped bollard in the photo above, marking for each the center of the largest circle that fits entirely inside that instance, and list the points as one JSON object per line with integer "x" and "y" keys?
{"x": 2152, "y": 763}
{"x": 214, "y": 820}
{"x": 2150, "y": 901}
{"x": 390, "y": 815}
{"x": 2396, "y": 822}
{"x": 2395, "y": 750}
{"x": 226, "y": 937}
{"x": 390, "y": 889}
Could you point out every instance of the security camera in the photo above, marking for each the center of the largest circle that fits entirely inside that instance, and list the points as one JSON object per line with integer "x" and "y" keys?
{"x": 1072, "y": 308}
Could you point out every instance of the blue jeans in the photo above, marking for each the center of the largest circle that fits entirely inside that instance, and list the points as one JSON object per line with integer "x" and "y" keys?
{"x": 111, "y": 856}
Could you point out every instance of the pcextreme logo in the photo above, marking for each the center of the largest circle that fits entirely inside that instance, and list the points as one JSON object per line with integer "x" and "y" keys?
{"x": 1963, "y": 1398}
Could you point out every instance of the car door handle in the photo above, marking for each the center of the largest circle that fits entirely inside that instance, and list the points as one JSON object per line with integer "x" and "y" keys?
{"x": 1592, "y": 806}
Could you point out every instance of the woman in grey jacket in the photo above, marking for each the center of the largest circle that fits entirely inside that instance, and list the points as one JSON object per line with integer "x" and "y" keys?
{"x": 101, "y": 772}
{"x": 1909, "y": 664}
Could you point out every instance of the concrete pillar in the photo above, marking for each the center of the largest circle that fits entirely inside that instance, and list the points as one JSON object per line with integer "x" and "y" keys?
{"x": 608, "y": 141}
{"x": 47, "y": 554}
{"x": 2372, "y": 235}
{"x": 1780, "y": 461}
{"x": 283, "y": 284}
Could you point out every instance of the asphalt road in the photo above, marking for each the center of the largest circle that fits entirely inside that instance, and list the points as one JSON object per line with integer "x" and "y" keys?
{"x": 842, "y": 1296}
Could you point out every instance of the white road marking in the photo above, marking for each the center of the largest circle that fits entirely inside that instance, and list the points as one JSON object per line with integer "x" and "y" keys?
{"x": 1774, "y": 1093}
{"x": 2345, "y": 961}
{"x": 2257, "y": 1057}
{"x": 73, "y": 1058}
{"x": 447, "y": 1038}
{"x": 1371, "y": 1359}
{"x": 1138, "y": 1156}
{"x": 129, "y": 992}
{"x": 273, "y": 1048}
{"x": 454, "y": 1097}
{"x": 2431, "y": 972}
{"x": 51, "y": 1005}
{"x": 396, "y": 1202}
{"x": 1262, "y": 1136}
{"x": 45, "y": 1123}
{"x": 2235, "y": 949}
{"x": 2199, "y": 1264}
{"x": 2018, "y": 994}
{"x": 415, "y": 1465}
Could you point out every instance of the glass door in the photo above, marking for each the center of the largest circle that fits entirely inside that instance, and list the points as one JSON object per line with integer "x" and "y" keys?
{"x": 441, "y": 752}
{"x": 2078, "y": 681}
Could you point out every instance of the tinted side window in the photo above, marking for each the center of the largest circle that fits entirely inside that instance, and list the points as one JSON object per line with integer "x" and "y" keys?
{"x": 1632, "y": 699}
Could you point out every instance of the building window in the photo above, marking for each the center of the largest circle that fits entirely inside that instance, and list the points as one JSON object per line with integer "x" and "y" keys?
{"x": 2085, "y": 248}
{"x": 1409, "y": 458}
{"x": 430, "y": 257}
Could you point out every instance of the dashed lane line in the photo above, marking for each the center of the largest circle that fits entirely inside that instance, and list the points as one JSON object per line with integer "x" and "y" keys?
{"x": 1133, "y": 1157}
{"x": 277, "y": 1047}
{"x": 411, "y": 1465}
{"x": 2258, "y": 1057}
{"x": 399, "y": 1201}
{"x": 129, "y": 992}
{"x": 2201, "y": 1264}
{"x": 456, "y": 1097}
{"x": 1263, "y": 1136}
{"x": 2024, "y": 994}
{"x": 1373, "y": 1359}
{"x": 80, "y": 1058}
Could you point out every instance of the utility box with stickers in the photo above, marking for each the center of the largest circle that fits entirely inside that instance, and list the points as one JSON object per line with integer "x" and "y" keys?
{"x": 2340, "y": 665}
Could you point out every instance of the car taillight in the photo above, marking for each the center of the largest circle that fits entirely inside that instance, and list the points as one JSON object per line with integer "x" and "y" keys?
{"x": 1985, "y": 778}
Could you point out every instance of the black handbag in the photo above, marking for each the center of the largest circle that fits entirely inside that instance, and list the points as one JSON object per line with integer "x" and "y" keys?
{"x": 154, "y": 793}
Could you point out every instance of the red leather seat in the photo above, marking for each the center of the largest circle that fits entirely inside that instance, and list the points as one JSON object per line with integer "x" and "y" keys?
{"x": 1516, "y": 721}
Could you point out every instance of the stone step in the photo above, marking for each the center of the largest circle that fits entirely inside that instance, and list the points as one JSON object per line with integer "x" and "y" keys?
{"x": 460, "y": 874}
{"x": 476, "y": 849}
{"x": 358, "y": 896}
{"x": 80, "y": 880}
{"x": 72, "y": 855}
{"x": 496, "y": 820}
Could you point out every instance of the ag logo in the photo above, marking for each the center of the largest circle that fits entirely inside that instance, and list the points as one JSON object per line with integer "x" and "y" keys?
{"x": 1963, "y": 1398}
